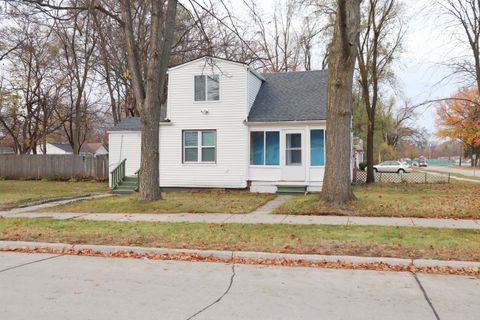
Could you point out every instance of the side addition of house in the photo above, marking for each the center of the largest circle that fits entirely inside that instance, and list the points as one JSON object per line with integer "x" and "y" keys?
{"x": 227, "y": 126}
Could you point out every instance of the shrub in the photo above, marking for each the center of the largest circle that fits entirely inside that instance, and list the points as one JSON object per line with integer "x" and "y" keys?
{"x": 362, "y": 166}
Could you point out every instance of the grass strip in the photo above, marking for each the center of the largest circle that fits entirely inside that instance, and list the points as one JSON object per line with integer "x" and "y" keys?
{"x": 16, "y": 192}
{"x": 401, "y": 242}
{"x": 455, "y": 200}
{"x": 172, "y": 202}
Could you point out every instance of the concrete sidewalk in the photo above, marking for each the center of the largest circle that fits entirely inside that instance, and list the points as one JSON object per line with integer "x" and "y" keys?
{"x": 254, "y": 218}
{"x": 44, "y": 286}
{"x": 451, "y": 176}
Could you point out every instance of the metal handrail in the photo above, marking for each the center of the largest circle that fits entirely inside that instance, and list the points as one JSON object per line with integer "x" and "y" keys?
{"x": 118, "y": 174}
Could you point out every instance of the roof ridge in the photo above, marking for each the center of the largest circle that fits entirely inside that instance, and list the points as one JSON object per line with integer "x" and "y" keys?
{"x": 290, "y": 72}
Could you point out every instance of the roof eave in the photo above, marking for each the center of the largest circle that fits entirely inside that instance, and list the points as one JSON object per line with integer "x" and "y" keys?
{"x": 285, "y": 121}
{"x": 255, "y": 73}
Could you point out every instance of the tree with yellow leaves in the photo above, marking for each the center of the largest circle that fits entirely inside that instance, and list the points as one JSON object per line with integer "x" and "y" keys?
{"x": 458, "y": 118}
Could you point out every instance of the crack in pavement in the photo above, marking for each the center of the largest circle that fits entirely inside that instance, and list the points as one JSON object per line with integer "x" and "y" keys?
{"x": 227, "y": 218}
{"x": 31, "y": 262}
{"x": 218, "y": 299}
{"x": 426, "y": 295}
{"x": 413, "y": 222}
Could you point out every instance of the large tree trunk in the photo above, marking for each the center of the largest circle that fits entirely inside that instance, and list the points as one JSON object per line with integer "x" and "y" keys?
{"x": 337, "y": 187}
{"x": 148, "y": 88}
{"x": 149, "y": 164}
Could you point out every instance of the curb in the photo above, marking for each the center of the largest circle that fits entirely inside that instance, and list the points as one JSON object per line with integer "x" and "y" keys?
{"x": 224, "y": 254}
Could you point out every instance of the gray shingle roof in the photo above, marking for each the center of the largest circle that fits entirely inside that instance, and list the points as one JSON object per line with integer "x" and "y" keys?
{"x": 133, "y": 123}
{"x": 127, "y": 124}
{"x": 291, "y": 96}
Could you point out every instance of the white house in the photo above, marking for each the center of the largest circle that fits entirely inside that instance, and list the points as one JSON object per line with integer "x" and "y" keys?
{"x": 87, "y": 149}
{"x": 227, "y": 126}
{"x": 56, "y": 148}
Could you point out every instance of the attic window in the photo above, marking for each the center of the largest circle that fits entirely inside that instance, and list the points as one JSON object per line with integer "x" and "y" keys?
{"x": 207, "y": 88}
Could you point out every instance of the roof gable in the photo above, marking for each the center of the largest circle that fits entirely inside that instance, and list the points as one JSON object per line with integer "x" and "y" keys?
{"x": 242, "y": 64}
{"x": 204, "y": 58}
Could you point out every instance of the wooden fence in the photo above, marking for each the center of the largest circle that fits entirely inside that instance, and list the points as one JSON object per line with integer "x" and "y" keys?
{"x": 27, "y": 166}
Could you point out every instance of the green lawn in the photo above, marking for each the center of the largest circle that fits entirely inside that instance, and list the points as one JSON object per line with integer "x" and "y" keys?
{"x": 454, "y": 200}
{"x": 405, "y": 242}
{"x": 15, "y": 192}
{"x": 173, "y": 202}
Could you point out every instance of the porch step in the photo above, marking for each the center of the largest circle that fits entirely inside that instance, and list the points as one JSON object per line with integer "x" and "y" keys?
{"x": 127, "y": 186}
{"x": 291, "y": 189}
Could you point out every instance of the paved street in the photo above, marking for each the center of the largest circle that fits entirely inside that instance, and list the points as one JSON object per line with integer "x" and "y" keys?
{"x": 41, "y": 286}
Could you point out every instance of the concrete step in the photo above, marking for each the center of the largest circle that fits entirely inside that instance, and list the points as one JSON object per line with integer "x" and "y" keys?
{"x": 286, "y": 189}
{"x": 128, "y": 183}
{"x": 127, "y": 186}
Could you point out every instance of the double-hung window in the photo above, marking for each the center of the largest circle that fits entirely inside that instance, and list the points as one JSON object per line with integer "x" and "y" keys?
{"x": 199, "y": 146}
{"x": 265, "y": 148}
{"x": 207, "y": 88}
{"x": 317, "y": 147}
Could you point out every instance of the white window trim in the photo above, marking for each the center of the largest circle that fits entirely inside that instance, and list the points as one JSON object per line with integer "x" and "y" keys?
{"x": 264, "y": 149}
{"x": 206, "y": 89}
{"x": 294, "y": 149}
{"x": 199, "y": 147}
{"x": 324, "y": 148}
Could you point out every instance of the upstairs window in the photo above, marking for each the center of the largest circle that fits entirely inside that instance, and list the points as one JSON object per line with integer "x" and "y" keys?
{"x": 265, "y": 148}
{"x": 207, "y": 88}
{"x": 199, "y": 146}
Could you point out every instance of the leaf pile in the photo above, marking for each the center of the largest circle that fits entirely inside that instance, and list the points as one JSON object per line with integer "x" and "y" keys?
{"x": 193, "y": 257}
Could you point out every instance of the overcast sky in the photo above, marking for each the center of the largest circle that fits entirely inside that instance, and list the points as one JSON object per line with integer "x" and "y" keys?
{"x": 427, "y": 46}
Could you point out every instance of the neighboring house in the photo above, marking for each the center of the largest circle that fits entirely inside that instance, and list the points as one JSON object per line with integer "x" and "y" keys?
{"x": 56, "y": 148}
{"x": 227, "y": 126}
{"x": 93, "y": 149}
{"x": 87, "y": 149}
{"x": 357, "y": 151}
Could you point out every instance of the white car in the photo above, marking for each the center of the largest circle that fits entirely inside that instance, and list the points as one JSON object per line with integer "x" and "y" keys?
{"x": 393, "y": 166}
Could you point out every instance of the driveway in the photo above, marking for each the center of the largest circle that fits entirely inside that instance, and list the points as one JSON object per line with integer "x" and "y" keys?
{"x": 41, "y": 286}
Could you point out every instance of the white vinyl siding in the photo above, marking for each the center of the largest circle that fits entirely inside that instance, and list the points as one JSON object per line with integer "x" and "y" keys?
{"x": 226, "y": 116}
{"x": 124, "y": 145}
{"x": 254, "y": 85}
